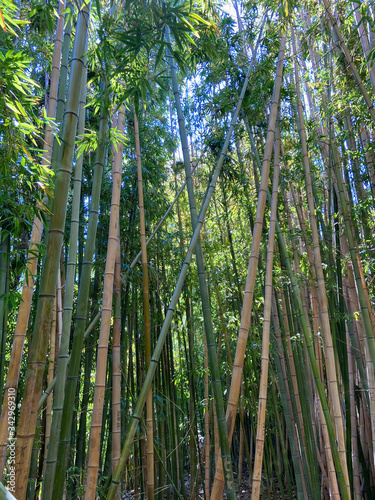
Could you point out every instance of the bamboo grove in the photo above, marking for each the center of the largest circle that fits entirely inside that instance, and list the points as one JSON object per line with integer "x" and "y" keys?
{"x": 187, "y": 227}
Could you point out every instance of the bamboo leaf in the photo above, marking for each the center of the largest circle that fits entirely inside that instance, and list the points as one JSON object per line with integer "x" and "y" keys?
{"x": 2, "y": 23}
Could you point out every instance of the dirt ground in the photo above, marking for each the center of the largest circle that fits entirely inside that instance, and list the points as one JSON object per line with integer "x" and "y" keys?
{"x": 243, "y": 493}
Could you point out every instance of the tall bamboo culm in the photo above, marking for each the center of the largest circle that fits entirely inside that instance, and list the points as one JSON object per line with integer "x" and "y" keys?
{"x": 136, "y": 416}
{"x": 40, "y": 338}
{"x": 32, "y": 257}
{"x": 322, "y": 294}
{"x": 63, "y": 358}
{"x": 234, "y": 391}
{"x": 82, "y": 309}
{"x": 101, "y": 364}
{"x": 206, "y": 308}
{"x": 146, "y": 318}
{"x": 257, "y": 470}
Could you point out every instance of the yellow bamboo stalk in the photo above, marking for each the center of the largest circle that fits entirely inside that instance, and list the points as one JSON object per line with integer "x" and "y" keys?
{"x": 263, "y": 384}
{"x": 59, "y": 309}
{"x": 101, "y": 365}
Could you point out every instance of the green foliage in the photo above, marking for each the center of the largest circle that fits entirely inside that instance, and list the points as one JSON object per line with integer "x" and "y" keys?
{"x": 20, "y": 132}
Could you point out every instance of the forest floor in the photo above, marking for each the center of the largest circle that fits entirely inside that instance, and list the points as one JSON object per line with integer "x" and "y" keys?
{"x": 243, "y": 493}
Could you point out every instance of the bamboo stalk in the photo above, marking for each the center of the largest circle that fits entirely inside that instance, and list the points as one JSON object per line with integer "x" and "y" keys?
{"x": 100, "y": 379}
{"x": 39, "y": 345}
{"x": 146, "y": 315}
{"x": 257, "y": 471}
{"x": 64, "y": 340}
{"x": 32, "y": 256}
{"x": 322, "y": 294}
{"x": 173, "y": 303}
{"x": 234, "y": 391}
{"x": 82, "y": 311}
{"x": 116, "y": 361}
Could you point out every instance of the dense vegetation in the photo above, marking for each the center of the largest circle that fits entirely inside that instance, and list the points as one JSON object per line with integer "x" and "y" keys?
{"x": 187, "y": 249}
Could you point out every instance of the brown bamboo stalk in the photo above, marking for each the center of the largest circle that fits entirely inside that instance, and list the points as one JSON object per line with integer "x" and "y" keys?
{"x": 100, "y": 379}
{"x": 146, "y": 316}
{"x": 116, "y": 361}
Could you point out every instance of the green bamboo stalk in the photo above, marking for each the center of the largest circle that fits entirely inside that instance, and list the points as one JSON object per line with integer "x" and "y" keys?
{"x": 296, "y": 446}
{"x": 310, "y": 349}
{"x": 314, "y": 367}
{"x": 322, "y": 294}
{"x": 235, "y": 385}
{"x": 39, "y": 345}
{"x": 32, "y": 256}
{"x": 206, "y": 309}
{"x": 63, "y": 360}
{"x": 51, "y": 386}
{"x": 82, "y": 309}
{"x": 146, "y": 315}
{"x": 172, "y": 306}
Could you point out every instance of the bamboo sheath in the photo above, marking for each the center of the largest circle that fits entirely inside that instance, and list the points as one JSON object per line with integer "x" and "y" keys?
{"x": 322, "y": 294}
{"x": 234, "y": 391}
{"x": 39, "y": 344}
{"x": 32, "y": 257}
{"x": 257, "y": 470}
{"x": 101, "y": 364}
{"x": 136, "y": 416}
